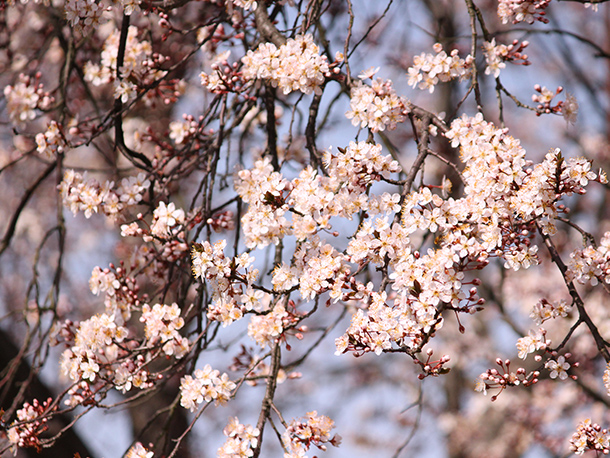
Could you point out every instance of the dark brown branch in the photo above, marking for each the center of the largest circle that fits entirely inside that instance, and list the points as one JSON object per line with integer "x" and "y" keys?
{"x": 269, "y": 394}
{"x": 119, "y": 136}
{"x": 10, "y": 230}
{"x": 601, "y": 344}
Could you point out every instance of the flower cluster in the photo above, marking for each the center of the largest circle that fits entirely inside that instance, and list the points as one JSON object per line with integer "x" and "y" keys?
{"x": 161, "y": 324}
{"x": 376, "y": 106}
{"x": 85, "y": 15}
{"x": 222, "y": 221}
{"x": 503, "y": 197}
{"x": 544, "y": 98}
{"x": 119, "y": 291}
{"x": 294, "y": 66}
{"x": 606, "y": 378}
{"x": 241, "y": 440}
{"x": 167, "y": 221}
{"x": 302, "y": 433}
{"x": 31, "y": 421}
{"x": 496, "y": 172}
{"x": 140, "y": 66}
{"x": 24, "y": 98}
{"x": 545, "y": 310}
{"x": 224, "y": 77}
{"x": 591, "y": 264}
{"x": 590, "y": 436}
{"x": 265, "y": 329}
{"x": 430, "y": 69}
{"x": 360, "y": 164}
{"x": 81, "y": 193}
{"x": 95, "y": 345}
{"x": 51, "y": 142}
{"x": 208, "y": 385}
{"x": 516, "y": 11}
{"x": 230, "y": 280}
{"x": 496, "y": 56}
{"x": 263, "y": 189}
{"x": 100, "y": 352}
{"x": 179, "y": 131}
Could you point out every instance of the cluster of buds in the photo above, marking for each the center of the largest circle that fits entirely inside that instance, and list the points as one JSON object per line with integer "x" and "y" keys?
{"x": 544, "y": 98}
{"x": 503, "y": 378}
{"x": 514, "y": 52}
{"x": 31, "y": 422}
{"x": 224, "y": 77}
{"x": 473, "y": 303}
{"x": 434, "y": 368}
{"x": 558, "y": 367}
{"x": 222, "y": 221}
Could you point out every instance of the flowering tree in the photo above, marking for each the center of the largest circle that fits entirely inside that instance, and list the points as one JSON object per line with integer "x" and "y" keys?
{"x": 240, "y": 268}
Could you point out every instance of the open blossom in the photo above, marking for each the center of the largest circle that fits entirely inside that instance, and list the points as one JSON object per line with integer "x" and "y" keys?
{"x": 558, "y": 368}
{"x": 294, "y": 66}
{"x": 246, "y": 4}
{"x": 139, "y": 451}
{"x": 129, "y": 6}
{"x": 534, "y": 341}
{"x": 606, "y": 379}
{"x": 569, "y": 109}
{"x": 179, "y": 130}
{"x": 165, "y": 219}
{"x": 125, "y": 90}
